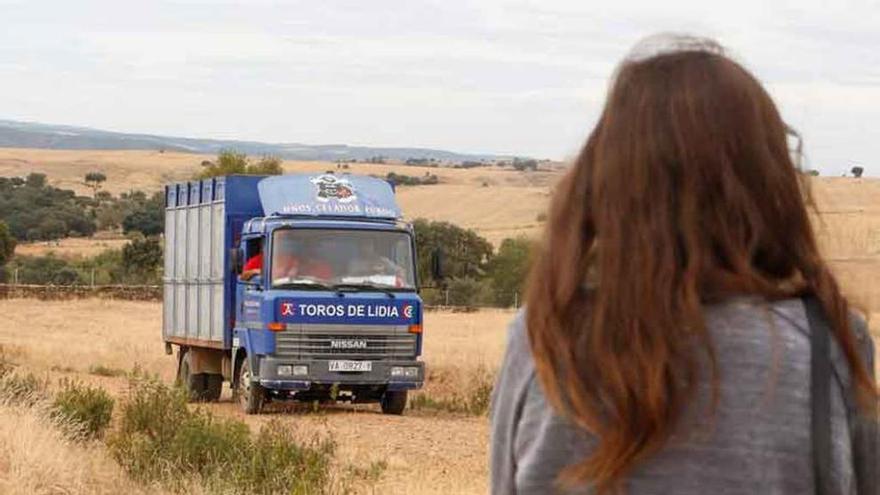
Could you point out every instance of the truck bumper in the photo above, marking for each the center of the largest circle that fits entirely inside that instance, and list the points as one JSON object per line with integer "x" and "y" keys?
{"x": 381, "y": 374}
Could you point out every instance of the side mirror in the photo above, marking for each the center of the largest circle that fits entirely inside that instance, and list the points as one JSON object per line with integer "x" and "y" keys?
{"x": 438, "y": 268}
{"x": 236, "y": 260}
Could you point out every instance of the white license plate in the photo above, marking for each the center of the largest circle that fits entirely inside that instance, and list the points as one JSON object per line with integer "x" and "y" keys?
{"x": 351, "y": 366}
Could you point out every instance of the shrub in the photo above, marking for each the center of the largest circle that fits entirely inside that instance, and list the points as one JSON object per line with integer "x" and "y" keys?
{"x": 469, "y": 292}
{"x": 474, "y": 401}
{"x": 23, "y": 389}
{"x": 159, "y": 439}
{"x": 101, "y": 370}
{"x": 88, "y": 409}
{"x": 5, "y": 362}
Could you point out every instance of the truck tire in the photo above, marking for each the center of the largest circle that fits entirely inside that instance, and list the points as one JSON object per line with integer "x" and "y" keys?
{"x": 193, "y": 383}
{"x": 250, "y": 395}
{"x": 213, "y": 386}
{"x": 393, "y": 402}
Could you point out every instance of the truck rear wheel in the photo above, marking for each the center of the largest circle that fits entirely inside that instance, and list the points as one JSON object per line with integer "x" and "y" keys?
{"x": 213, "y": 386}
{"x": 250, "y": 395}
{"x": 393, "y": 402}
{"x": 193, "y": 383}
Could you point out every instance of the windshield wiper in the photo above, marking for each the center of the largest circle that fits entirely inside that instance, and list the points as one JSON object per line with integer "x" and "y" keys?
{"x": 302, "y": 284}
{"x": 359, "y": 286}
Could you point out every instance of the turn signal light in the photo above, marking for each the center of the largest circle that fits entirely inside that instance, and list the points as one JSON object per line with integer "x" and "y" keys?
{"x": 275, "y": 326}
{"x": 415, "y": 329}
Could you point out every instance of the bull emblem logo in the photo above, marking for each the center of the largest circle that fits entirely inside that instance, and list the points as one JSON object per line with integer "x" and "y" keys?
{"x": 287, "y": 309}
{"x": 332, "y": 187}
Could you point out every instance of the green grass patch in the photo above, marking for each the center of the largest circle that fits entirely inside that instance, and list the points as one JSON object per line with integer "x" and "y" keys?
{"x": 474, "y": 401}
{"x": 23, "y": 388}
{"x": 159, "y": 439}
{"x": 101, "y": 370}
{"x": 87, "y": 409}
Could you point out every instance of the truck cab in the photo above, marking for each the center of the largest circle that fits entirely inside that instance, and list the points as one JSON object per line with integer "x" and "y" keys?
{"x": 319, "y": 289}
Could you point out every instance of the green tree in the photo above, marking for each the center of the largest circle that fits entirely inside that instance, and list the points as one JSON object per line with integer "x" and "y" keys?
{"x": 231, "y": 162}
{"x": 141, "y": 259}
{"x": 7, "y": 248}
{"x": 146, "y": 217}
{"x": 268, "y": 165}
{"x": 469, "y": 292}
{"x": 44, "y": 270}
{"x": 94, "y": 181}
{"x": 35, "y": 180}
{"x": 34, "y": 210}
{"x": 7, "y": 244}
{"x": 466, "y": 254}
{"x": 508, "y": 270}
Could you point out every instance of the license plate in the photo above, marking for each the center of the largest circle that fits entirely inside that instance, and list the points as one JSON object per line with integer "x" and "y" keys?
{"x": 351, "y": 366}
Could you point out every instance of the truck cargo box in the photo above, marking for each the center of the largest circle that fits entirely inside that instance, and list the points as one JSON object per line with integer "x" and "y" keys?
{"x": 203, "y": 222}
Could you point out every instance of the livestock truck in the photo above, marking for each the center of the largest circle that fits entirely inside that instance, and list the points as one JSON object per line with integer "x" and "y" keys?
{"x": 292, "y": 287}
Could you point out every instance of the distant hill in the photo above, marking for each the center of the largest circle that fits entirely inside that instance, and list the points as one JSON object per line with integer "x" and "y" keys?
{"x": 14, "y": 134}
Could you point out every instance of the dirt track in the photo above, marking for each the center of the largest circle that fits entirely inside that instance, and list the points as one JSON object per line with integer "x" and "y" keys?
{"x": 428, "y": 454}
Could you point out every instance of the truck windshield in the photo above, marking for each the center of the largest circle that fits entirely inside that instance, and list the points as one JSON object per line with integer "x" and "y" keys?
{"x": 334, "y": 258}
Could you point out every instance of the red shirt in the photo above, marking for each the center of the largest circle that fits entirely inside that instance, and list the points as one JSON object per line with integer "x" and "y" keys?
{"x": 255, "y": 263}
{"x": 314, "y": 268}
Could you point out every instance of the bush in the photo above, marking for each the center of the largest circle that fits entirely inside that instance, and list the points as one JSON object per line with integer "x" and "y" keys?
{"x": 88, "y": 409}
{"x": 101, "y": 370}
{"x": 469, "y": 292}
{"x": 408, "y": 180}
{"x": 474, "y": 401}
{"x": 159, "y": 439}
{"x": 5, "y": 362}
{"x": 142, "y": 259}
{"x": 231, "y": 162}
{"x": 36, "y": 211}
{"x": 23, "y": 389}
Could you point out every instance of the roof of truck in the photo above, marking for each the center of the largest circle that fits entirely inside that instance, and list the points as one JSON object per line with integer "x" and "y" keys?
{"x": 328, "y": 195}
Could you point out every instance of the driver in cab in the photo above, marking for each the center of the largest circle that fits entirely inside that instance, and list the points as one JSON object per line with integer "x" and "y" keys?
{"x": 287, "y": 264}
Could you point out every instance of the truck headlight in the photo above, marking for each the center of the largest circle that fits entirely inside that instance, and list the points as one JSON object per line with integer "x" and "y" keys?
{"x": 300, "y": 370}
{"x": 411, "y": 372}
{"x": 284, "y": 370}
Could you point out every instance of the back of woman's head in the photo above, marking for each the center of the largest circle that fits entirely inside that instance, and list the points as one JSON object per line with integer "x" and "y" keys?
{"x": 684, "y": 193}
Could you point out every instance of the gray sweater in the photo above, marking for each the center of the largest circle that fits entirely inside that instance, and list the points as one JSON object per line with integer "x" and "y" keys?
{"x": 757, "y": 442}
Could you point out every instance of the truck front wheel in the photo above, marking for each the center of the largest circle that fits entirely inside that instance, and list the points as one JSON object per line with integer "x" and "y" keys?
{"x": 393, "y": 402}
{"x": 249, "y": 394}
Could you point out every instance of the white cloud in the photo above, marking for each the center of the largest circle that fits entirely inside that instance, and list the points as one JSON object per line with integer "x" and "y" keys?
{"x": 523, "y": 77}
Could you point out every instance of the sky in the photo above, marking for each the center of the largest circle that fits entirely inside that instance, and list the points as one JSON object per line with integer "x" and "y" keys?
{"x": 508, "y": 77}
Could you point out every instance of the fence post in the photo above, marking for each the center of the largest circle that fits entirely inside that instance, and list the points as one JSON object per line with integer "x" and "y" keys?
{"x": 516, "y": 300}
{"x": 447, "y": 297}
{"x": 15, "y": 277}
{"x": 93, "y": 278}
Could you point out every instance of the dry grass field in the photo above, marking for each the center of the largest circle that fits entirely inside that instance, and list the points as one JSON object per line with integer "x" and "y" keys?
{"x": 426, "y": 452}
{"x": 507, "y": 206}
{"x": 71, "y": 247}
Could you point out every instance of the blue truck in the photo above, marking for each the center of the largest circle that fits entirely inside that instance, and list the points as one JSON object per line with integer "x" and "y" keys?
{"x": 292, "y": 287}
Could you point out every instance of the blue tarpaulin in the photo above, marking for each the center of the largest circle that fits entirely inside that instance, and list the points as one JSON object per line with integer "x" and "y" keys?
{"x": 328, "y": 194}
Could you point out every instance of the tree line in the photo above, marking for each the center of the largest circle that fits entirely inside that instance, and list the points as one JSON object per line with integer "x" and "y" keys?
{"x": 30, "y": 209}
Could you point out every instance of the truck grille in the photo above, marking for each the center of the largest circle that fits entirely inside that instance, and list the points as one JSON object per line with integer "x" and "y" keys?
{"x": 374, "y": 344}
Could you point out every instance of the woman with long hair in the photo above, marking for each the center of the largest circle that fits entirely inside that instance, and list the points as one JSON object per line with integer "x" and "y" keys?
{"x": 665, "y": 346}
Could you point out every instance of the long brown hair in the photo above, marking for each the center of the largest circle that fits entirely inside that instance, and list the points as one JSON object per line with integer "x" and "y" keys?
{"x": 684, "y": 193}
